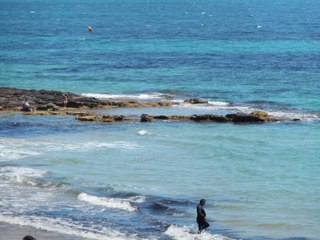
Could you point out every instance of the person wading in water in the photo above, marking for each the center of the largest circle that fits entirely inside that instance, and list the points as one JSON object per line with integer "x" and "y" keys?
{"x": 201, "y": 216}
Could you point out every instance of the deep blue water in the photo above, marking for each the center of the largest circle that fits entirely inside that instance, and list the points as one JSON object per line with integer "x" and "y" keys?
{"x": 136, "y": 181}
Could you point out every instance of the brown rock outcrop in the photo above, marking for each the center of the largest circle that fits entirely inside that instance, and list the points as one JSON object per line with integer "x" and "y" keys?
{"x": 146, "y": 118}
{"x": 12, "y": 99}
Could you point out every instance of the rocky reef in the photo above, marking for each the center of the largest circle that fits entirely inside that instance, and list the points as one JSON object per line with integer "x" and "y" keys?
{"x": 51, "y": 103}
{"x": 229, "y": 118}
{"x": 12, "y": 99}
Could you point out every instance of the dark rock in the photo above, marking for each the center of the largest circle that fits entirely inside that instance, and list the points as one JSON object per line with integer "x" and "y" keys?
{"x": 230, "y": 116}
{"x": 28, "y": 237}
{"x": 244, "y": 118}
{"x": 161, "y": 117}
{"x": 119, "y": 118}
{"x": 208, "y": 117}
{"x": 146, "y": 118}
{"x": 49, "y": 106}
{"x": 217, "y": 118}
{"x": 196, "y": 101}
{"x": 179, "y": 118}
{"x": 13, "y": 98}
{"x": 87, "y": 118}
{"x": 296, "y": 119}
{"x": 199, "y": 118}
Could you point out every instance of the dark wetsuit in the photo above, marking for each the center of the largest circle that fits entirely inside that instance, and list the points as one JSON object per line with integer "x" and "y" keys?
{"x": 201, "y": 218}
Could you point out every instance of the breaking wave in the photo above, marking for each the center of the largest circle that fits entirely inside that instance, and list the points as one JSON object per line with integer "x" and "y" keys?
{"x": 187, "y": 233}
{"x": 117, "y": 203}
{"x": 143, "y": 96}
{"x": 21, "y": 175}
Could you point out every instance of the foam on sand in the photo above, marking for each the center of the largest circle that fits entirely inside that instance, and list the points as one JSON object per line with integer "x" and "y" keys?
{"x": 186, "y": 233}
{"x": 116, "y": 203}
{"x": 65, "y": 227}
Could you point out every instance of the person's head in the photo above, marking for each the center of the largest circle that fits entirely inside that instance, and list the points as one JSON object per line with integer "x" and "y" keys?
{"x": 28, "y": 237}
{"x": 202, "y": 202}
{"x": 26, "y": 99}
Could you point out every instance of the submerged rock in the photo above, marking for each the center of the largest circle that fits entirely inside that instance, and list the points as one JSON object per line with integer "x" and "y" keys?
{"x": 260, "y": 114}
{"x": 89, "y": 117}
{"x": 209, "y": 117}
{"x": 244, "y": 118}
{"x": 196, "y": 101}
{"x": 238, "y": 118}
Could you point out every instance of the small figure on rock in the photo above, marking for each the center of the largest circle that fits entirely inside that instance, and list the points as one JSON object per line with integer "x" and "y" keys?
{"x": 26, "y": 106}
{"x": 65, "y": 100}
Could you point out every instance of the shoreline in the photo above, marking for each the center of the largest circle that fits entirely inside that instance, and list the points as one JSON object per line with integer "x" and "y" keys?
{"x": 18, "y": 232}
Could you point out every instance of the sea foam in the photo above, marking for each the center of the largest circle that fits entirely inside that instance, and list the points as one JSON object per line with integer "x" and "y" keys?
{"x": 186, "y": 233}
{"x": 143, "y": 132}
{"x": 21, "y": 174}
{"x": 65, "y": 227}
{"x": 117, "y": 203}
{"x": 143, "y": 96}
{"x": 13, "y": 149}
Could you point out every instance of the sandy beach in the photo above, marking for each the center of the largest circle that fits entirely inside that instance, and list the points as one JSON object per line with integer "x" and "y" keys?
{"x": 17, "y": 232}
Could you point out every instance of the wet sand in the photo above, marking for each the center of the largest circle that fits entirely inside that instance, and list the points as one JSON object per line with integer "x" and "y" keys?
{"x": 17, "y": 232}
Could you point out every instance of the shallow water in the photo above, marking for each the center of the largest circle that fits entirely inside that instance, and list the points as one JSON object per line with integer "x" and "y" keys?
{"x": 140, "y": 178}
{"x": 143, "y": 181}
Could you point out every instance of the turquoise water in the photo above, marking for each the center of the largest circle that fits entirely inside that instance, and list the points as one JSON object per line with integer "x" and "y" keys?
{"x": 143, "y": 181}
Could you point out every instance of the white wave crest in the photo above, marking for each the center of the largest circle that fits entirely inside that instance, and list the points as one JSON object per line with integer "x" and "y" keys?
{"x": 185, "y": 233}
{"x": 216, "y": 103}
{"x": 143, "y": 132}
{"x": 144, "y": 96}
{"x": 138, "y": 199}
{"x": 117, "y": 203}
{"x": 211, "y": 105}
{"x": 65, "y": 227}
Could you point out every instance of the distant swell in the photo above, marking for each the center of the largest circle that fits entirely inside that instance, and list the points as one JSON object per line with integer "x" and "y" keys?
{"x": 12, "y": 149}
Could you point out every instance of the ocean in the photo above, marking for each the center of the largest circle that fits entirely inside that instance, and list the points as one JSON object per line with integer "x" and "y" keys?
{"x": 144, "y": 180}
